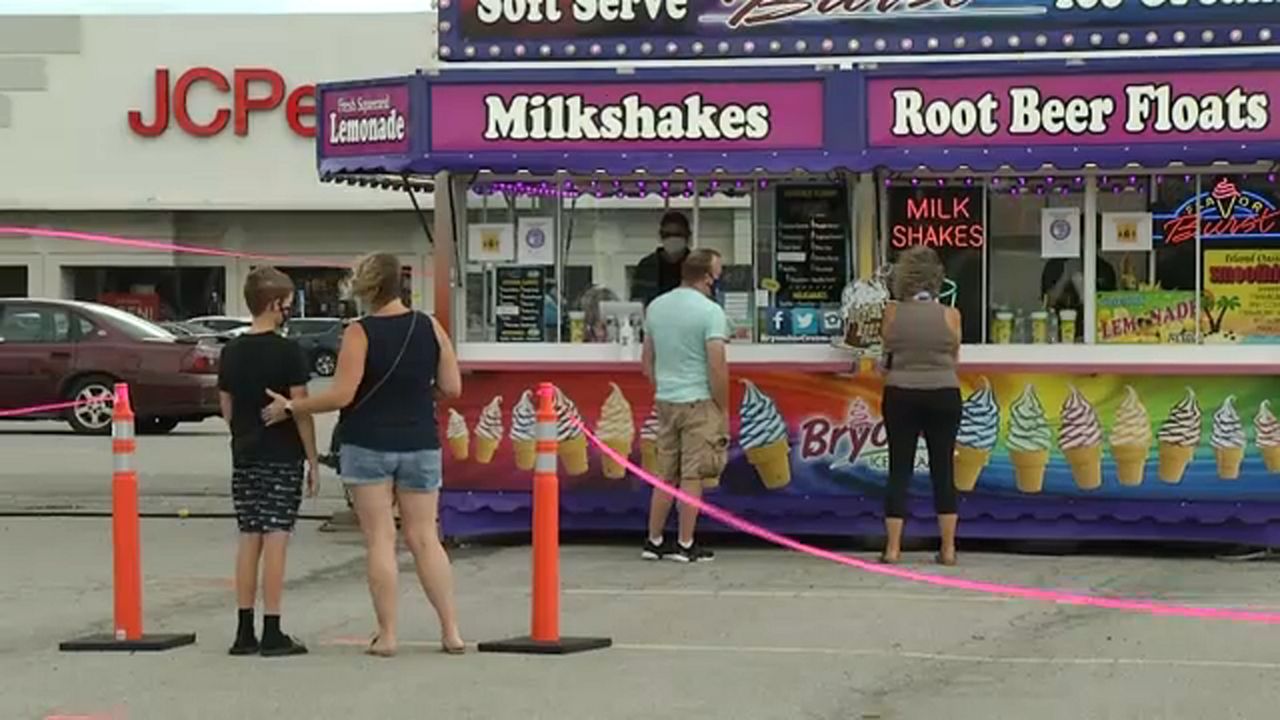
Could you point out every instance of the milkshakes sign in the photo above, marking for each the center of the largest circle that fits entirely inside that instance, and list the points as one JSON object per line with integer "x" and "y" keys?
{"x": 627, "y": 116}
{"x": 369, "y": 120}
{"x": 1076, "y": 109}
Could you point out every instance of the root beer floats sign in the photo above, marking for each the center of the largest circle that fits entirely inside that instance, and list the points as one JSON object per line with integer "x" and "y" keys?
{"x": 1075, "y": 109}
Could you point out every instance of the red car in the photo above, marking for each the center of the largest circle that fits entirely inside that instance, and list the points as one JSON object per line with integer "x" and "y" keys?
{"x": 54, "y": 351}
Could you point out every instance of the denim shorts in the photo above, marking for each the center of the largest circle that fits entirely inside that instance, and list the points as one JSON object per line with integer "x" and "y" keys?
{"x": 418, "y": 471}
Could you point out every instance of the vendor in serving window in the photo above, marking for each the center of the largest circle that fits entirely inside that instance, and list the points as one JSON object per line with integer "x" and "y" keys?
{"x": 1062, "y": 283}
{"x": 659, "y": 272}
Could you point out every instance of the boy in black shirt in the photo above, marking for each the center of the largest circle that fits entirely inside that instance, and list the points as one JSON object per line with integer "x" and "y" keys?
{"x": 266, "y": 481}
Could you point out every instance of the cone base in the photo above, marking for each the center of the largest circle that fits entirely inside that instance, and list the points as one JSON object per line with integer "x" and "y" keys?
{"x": 528, "y": 646}
{"x": 106, "y": 642}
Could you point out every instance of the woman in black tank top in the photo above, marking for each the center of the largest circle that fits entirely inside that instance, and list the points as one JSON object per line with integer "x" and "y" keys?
{"x": 393, "y": 365}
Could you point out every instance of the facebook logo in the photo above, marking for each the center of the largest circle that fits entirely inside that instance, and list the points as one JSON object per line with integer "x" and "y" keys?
{"x": 804, "y": 321}
{"x": 779, "y": 322}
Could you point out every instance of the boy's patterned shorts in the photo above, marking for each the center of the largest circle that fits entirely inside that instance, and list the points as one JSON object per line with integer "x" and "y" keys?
{"x": 267, "y": 495}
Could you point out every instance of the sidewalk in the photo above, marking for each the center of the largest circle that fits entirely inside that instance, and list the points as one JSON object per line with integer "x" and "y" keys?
{"x": 757, "y": 634}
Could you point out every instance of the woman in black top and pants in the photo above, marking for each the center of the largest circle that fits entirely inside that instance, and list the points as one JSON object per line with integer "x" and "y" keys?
{"x": 393, "y": 365}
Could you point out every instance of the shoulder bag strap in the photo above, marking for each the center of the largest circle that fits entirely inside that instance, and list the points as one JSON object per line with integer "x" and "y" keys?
{"x": 413, "y": 324}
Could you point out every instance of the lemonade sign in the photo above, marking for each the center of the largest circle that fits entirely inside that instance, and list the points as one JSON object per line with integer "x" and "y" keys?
{"x": 1147, "y": 316}
{"x": 1241, "y": 302}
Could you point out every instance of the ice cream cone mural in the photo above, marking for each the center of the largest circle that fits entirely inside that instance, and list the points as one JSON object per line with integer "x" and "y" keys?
{"x": 1267, "y": 436}
{"x": 1179, "y": 437}
{"x": 763, "y": 436}
{"x": 617, "y": 429}
{"x": 1227, "y": 439}
{"x": 1131, "y": 439}
{"x": 489, "y": 431}
{"x": 1080, "y": 439}
{"x": 1029, "y": 440}
{"x": 524, "y": 423}
{"x": 573, "y": 444}
{"x": 979, "y": 427}
{"x": 458, "y": 435}
{"x": 649, "y": 443}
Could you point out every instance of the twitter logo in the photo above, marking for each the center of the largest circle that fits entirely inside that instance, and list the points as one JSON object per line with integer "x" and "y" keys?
{"x": 804, "y": 321}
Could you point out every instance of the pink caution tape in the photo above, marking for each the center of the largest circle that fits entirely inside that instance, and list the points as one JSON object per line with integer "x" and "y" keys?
{"x": 141, "y": 244}
{"x": 1016, "y": 591}
{"x": 38, "y": 409}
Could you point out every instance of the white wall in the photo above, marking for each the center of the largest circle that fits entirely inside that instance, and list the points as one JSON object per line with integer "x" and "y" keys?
{"x": 65, "y": 141}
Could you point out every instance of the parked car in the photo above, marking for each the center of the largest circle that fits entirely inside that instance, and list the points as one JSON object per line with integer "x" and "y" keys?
{"x": 229, "y": 326}
{"x": 320, "y": 339}
{"x": 202, "y": 333}
{"x": 60, "y": 350}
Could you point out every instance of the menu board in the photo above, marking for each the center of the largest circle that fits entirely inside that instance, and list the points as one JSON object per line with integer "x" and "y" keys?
{"x": 520, "y": 303}
{"x": 811, "y": 244}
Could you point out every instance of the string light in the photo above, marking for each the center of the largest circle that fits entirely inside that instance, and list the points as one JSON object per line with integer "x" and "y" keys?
{"x": 617, "y": 188}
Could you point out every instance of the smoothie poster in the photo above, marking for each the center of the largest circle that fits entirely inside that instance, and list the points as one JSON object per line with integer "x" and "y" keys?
{"x": 809, "y": 434}
{"x": 1241, "y": 302}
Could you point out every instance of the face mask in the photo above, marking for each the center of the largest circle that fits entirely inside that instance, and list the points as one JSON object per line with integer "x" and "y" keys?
{"x": 674, "y": 245}
{"x": 717, "y": 289}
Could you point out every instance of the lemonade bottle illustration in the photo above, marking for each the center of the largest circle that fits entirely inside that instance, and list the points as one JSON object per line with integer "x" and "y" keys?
{"x": 1228, "y": 439}
{"x": 524, "y": 422}
{"x": 1080, "y": 439}
{"x": 617, "y": 429}
{"x": 1267, "y": 436}
{"x": 979, "y": 427}
{"x": 573, "y": 444}
{"x": 1179, "y": 437}
{"x": 489, "y": 431}
{"x": 1029, "y": 441}
{"x": 764, "y": 437}
{"x": 1131, "y": 439}
{"x": 458, "y": 435}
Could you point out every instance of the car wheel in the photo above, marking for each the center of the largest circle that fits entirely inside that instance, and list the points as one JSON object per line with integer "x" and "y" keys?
{"x": 95, "y": 401}
{"x": 325, "y": 364}
{"x": 156, "y": 426}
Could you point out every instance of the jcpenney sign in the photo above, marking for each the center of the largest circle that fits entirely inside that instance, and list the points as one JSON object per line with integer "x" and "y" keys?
{"x": 248, "y": 91}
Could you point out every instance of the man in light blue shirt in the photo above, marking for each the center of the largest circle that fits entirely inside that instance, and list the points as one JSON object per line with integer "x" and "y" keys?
{"x": 684, "y": 357}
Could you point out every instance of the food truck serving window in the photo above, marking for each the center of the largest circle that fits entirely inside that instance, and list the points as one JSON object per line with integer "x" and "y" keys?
{"x": 1180, "y": 258}
{"x": 580, "y": 263}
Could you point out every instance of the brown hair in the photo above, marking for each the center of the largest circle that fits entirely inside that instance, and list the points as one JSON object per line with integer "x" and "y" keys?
{"x": 377, "y": 279}
{"x": 676, "y": 218}
{"x": 265, "y": 286}
{"x": 917, "y": 269}
{"x": 698, "y": 264}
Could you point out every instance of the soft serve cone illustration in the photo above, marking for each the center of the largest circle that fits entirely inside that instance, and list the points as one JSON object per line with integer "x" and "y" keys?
{"x": 649, "y": 443}
{"x": 458, "y": 435}
{"x": 573, "y": 444}
{"x": 1131, "y": 439}
{"x": 764, "y": 437}
{"x": 524, "y": 423}
{"x": 489, "y": 431}
{"x": 1029, "y": 440}
{"x": 979, "y": 426}
{"x": 1080, "y": 439}
{"x": 617, "y": 429}
{"x": 1267, "y": 435}
{"x": 1179, "y": 437}
{"x": 1227, "y": 439}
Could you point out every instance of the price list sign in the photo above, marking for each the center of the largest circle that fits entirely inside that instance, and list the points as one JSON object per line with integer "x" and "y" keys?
{"x": 521, "y": 298}
{"x": 811, "y": 244}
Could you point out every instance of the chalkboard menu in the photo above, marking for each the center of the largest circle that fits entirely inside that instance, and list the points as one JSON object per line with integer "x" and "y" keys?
{"x": 521, "y": 299}
{"x": 811, "y": 244}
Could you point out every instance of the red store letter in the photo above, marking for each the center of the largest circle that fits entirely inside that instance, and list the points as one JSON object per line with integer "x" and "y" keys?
{"x": 246, "y": 104}
{"x": 302, "y": 103}
{"x": 183, "y": 86}
{"x": 161, "y": 123}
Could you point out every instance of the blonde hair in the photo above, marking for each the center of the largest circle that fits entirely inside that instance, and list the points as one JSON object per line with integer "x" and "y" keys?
{"x": 917, "y": 269}
{"x": 376, "y": 279}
